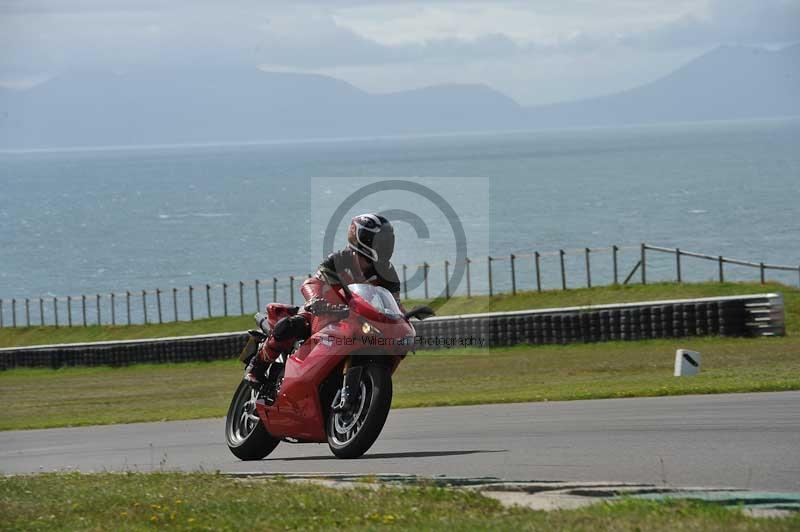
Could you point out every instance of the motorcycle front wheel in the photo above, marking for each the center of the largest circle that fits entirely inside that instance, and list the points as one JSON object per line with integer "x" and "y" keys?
{"x": 352, "y": 433}
{"x": 246, "y": 435}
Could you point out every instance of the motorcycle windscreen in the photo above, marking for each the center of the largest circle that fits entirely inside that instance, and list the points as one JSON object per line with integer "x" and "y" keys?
{"x": 378, "y": 298}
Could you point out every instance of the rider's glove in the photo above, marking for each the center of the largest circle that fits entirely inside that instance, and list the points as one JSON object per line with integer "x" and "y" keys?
{"x": 319, "y": 306}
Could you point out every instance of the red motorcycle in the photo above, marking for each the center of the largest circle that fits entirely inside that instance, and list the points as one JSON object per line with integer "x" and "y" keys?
{"x": 335, "y": 386}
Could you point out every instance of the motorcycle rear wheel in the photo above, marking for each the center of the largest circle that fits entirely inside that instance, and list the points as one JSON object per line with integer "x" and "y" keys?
{"x": 351, "y": 434}
{"x": 245, "y": 434}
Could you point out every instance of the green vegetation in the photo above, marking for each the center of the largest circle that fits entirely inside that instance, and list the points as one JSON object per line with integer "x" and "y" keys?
{"x": 102, "y": 395}
{"x": 138, "y": 501}
{"x": 10, "y": 337}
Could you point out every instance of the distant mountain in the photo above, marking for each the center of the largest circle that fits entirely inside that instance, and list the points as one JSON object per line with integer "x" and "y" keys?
{"x": 196, "y": 105}
{"x": 730, "y": 82}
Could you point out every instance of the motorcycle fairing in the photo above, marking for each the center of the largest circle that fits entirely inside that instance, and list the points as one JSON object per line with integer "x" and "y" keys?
{"x": 297, "y": 412}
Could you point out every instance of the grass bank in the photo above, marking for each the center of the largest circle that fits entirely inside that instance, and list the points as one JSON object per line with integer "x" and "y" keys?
{"x": 103, "y": 395}
{"x": 139, "y": 501}
{"x": 10, "y": 337}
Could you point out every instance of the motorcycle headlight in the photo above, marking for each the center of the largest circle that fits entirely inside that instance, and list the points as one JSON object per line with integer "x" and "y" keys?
{"x": 368, "y": 328}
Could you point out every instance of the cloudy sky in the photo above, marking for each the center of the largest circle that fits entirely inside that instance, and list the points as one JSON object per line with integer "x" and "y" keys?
{"x": 536, "y": 52}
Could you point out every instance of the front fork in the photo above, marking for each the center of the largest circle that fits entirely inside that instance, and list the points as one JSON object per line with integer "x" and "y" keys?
{"x": 345, "y": 397}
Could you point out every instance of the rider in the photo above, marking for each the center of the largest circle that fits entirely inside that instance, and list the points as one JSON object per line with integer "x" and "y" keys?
{"x": 370, "y": 243}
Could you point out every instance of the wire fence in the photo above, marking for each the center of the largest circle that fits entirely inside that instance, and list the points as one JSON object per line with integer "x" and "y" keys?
{"x": 524, "y": 271}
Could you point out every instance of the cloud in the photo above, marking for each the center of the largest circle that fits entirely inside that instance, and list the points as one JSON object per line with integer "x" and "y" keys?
{"x": 535, "y": 51}
{"x": 205, "y": 34}
{"x": 326, "y": 43}
{"x": 726, "y": 21}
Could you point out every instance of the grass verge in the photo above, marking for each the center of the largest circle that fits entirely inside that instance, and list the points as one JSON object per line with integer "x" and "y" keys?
{"x": 137, "y": 501}
{"x": 103, "y": 395}
{"x": 11, "y": 337}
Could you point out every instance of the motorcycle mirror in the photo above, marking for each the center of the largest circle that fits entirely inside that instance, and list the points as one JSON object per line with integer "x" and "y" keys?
{"x": 261, "y": 320}
{"x": 421, "y": 312}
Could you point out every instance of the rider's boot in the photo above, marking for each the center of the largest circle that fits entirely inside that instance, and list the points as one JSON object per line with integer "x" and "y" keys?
{"x": 269, "y": 352}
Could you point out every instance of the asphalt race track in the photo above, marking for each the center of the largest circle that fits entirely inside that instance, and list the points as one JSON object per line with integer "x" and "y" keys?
{"x": 738, "y": 440}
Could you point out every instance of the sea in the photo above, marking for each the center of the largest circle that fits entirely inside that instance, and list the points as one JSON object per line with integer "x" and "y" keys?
{"x": 95, "y": 221}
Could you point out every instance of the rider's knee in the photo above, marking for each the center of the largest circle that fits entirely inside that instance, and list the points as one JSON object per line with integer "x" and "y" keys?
{"x": 291, "y": 327}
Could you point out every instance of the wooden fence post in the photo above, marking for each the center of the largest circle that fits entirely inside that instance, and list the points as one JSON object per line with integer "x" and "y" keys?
{"x": 643, "y": 265}
{"x": 225, "y": 299}
{"x": 469, "y": 281}
{"x": 208, "y": 299}
{"x": 241, "y": 298}
{"x": 191, "y": 303}
{"x": 588, "y": 268}
{"x": 425, "y": 267}
{"x": 258, "y": 298}
{"x": 175, "y": 303}
{"x": 27, "y": 313}
{"x": 128, "y": 305}
{"x": 274, "y": 289}
{"x": 761, "y": 271}
{"x": 83, "y": 309}
{"x": 55, "y": 310}
{"x": 614, "y": 250}
{"x": 158, "y": 304}
{"x": 721, "y": 273}
{"x": 536, "y": 258}
{"x": 405, "y": 282}
{"x": 446, "y": 279}
{"x": 41, "y": 312}
{"x": 291, "y": 290}
{"x": 489, "y": 264}
{"x": 114, "y": 310}
{"x": 512, "y": 258}
{"x": 13, "y": 312}
{"x": 563, "y": 270}
{"x": 69, "y": 311}
{"x": 678, "y": 264}
{"x": 144, "y": 305}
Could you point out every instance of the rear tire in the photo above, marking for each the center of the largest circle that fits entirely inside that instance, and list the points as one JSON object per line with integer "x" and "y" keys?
{"x": 351, "y": 434}
{"x": 245, "y": 433}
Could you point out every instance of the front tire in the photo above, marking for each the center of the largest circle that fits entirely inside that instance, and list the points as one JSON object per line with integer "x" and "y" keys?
{"x": 351, "y": 434}
{"x": 246, "y": 435}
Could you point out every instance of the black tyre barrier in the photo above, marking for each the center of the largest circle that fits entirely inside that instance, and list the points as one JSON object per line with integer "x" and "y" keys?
{"x": 689, "y": 320}
{"x": 625, "y": 325}
{"x": 701, "y": 315}
{"x": 678, "y": 330}
{"x": 731, "y": 319}
{"x": 502, "y": 331}
{"x": 594, "y": 327}
{"x": 735, "y": 316}
{"x": 666, "y": 322}
{"x": 521, "y": 329}
{"x": 646, "y": 323}
{"x": 529, "y": 330}
{"x": 212, "y": 347}
{"x": 636, "y": 324}
{"x": 605, "y": 326}
{"x": 538, "y": 329}
{"x": 547, "y": 327}
{"x": 614, "y": 324}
